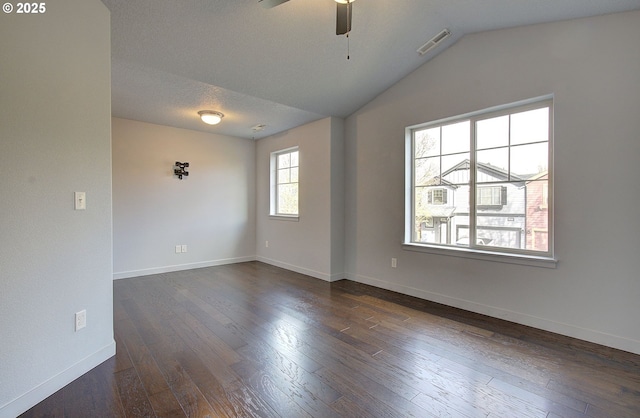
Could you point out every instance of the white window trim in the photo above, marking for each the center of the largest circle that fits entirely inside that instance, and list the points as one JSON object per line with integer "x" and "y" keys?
{"x": 513, "y": 257}
{"x": 273, "y": 182}
{"x": 475, "y": 254}
{"x": 290, "y": 218}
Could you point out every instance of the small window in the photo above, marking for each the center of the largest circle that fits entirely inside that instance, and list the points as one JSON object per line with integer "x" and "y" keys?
{"x": 284, "y": 182}
{"x": 437, "y": 196}
{"x": 492, "y": 196}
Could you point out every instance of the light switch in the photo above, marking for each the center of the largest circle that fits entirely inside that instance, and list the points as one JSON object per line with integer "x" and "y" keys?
{"x": 81, "y": 200}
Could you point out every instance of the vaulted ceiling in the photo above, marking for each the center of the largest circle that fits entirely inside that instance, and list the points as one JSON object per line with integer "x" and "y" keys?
{"x": 285, "y": 66}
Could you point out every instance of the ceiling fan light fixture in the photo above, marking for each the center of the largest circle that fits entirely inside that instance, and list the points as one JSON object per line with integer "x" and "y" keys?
{"x": 210, "y": 117}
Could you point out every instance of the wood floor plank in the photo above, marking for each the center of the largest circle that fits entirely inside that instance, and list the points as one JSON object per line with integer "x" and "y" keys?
{"x": 288, "y": 369}
{"x": 188, "y": 394}
{"x": 133, "y": 395}
{"x": 278, "y": 391}
{"x": 141, "y": 359}
{"x": 230, "y": 399}
{"x": 165, "y": 405}
{"x": 347, "y": 408}
{"x": 576, "y": 410}
{"x": 254, "y": 340}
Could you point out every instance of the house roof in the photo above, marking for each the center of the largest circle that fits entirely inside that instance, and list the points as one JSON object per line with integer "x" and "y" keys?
{"x": 499, "y": 173}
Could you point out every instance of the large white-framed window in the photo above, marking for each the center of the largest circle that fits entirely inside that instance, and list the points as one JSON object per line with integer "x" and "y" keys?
{"x": 481, "y": 183}
{"x": 285, "y": 169}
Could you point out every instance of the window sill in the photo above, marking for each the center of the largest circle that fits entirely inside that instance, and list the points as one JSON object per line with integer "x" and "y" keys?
{"x": 524, "y": 260}
{"x": 290, "y": 218}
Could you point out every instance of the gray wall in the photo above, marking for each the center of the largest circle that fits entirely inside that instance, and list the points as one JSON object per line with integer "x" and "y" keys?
{"x": 212, "y": 211}
{"x": 592, "y": 67}
{"x": 54, "y": 140}
{"x": 313, "y": 244}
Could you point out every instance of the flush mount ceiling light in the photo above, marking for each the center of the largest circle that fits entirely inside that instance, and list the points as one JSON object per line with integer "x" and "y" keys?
{"x": 345, "y": 1}
{"x": 210, "y": 117}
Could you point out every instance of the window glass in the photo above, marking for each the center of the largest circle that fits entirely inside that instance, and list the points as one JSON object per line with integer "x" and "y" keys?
{"x": 284, "y": 199}
{"x": 487, "y": 187}
{"x": 455, "y": 137}
{"x": 493, "y": 132}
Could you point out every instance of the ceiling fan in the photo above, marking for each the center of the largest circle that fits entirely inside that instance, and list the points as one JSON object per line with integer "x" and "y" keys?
{"x": 343, "y": 14}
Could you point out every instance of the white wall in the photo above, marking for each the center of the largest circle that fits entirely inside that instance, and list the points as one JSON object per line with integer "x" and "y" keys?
{"x": 55, "y": 108}
{"x": 212, "y": 210}
{"x": 313, "y": 244}
{"x": 592, "y": 66}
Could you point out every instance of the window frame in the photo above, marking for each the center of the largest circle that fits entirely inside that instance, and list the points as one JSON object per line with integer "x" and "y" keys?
{"x": 439, "y": 201}
{"x": 475, "y": 250}
{"x": 274, "y": 210}
{"x": 502, "y": 196}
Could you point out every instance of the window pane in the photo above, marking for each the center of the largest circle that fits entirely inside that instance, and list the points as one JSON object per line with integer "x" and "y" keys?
{"x": 456, "y": 137}
{"x": 530, "y": 126}
{"x": 455, "y": 168}
{"x": 462, "y": 236}
{"x": 288, "y": 199}
{"x": 538, "y": 215}
{"x": 431, "y": 219}
{"x": 529, "y": 160}
{"x": 284, "y": 176}
{"x": 294, "y": 159}
{"x": 422, "y": 216}
{"x": 492, "y": 165}
{"x": 492, "y": 133}
{"x": 503, "y": 225}
{"x": 426, "y": 171}
{"x": 427, "y": 143}
{"x": 284, "y": 182}
{"x": 284, "y": 160}
{"x": 460, "y": 199}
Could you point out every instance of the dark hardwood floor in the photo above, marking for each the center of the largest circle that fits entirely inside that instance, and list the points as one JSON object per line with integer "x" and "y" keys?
{"x": 252, "y": 340}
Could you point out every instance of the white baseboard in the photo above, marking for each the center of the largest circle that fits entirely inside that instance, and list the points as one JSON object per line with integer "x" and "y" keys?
{"x": 594, "y": 336}
{"x": 302, "y": 270}
{"x": 34, "y": 396}
{"x": 180, "y": 267}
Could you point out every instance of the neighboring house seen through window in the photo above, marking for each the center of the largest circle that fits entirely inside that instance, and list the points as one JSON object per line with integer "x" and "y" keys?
{"x": 284, "y": 182}
{"x": 482, "y": 181}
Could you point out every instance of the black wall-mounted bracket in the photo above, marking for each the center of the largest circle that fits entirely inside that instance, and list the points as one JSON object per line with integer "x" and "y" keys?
{"x": 180, "y": 169}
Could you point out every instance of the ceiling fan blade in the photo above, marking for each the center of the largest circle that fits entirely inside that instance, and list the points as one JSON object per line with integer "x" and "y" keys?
{"x": 343, "y": 18}
{"x": 267, "y": 4}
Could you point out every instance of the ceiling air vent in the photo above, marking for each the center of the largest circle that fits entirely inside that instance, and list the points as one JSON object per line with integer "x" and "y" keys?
{"x": 267, "y": 4}
{"x": 433, "y": 42}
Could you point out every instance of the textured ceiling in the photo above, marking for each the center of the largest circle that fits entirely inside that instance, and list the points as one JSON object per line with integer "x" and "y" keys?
{"x": 285, "y": 66}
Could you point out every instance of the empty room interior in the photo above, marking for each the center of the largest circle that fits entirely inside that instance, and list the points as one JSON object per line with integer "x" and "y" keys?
{"x": 409, "y": 208}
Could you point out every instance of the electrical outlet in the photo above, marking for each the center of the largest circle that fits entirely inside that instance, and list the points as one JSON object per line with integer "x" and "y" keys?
{"x": 184, "y": 248}
{"x": 81, "y": 319}
{"x": 394, "y": 262}
{"x": 178, "y": 249}
{"x": 266, "y": 244}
